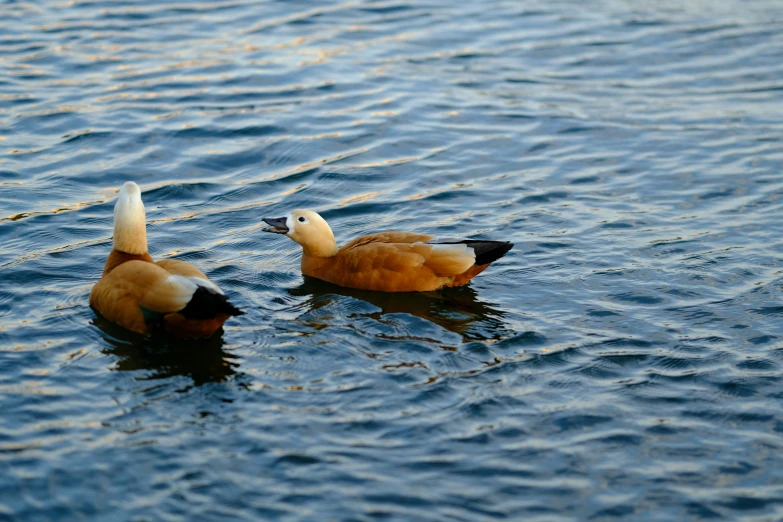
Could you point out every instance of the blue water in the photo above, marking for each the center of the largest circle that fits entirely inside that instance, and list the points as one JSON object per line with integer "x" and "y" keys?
{"x": 623, "y": 362}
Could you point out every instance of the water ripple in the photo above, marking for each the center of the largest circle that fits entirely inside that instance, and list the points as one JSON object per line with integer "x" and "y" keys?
{"x": 622, "y": 362}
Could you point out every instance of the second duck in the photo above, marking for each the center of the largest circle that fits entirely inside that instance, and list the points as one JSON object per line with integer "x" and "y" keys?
{"x": 386, "y": 261}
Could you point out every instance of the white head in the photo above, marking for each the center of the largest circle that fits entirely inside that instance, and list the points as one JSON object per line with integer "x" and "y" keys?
{"x": 306, "y": 228}
{"x": 130, "y": 222}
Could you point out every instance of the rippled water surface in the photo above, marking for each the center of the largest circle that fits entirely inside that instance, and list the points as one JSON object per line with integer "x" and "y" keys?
{"x": 623, "y": 362}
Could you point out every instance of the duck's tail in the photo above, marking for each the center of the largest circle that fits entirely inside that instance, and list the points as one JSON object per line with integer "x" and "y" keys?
{"x": 486, "y": 251}
{"x": 207, "y": 304}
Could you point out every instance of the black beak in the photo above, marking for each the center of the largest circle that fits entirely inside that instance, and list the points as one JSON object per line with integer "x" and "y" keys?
{"x": 276, "y": 225}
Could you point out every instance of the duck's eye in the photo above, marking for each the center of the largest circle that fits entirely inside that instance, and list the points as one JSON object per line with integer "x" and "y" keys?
{"x": 301, "y": 219}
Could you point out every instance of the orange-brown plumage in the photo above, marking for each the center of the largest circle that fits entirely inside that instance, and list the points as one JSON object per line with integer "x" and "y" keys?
{"x": 386, "y": 261}
{"x": 139, "y": 294}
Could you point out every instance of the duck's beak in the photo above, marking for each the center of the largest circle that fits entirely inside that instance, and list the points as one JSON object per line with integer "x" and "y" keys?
{"x": 276, "y": 225}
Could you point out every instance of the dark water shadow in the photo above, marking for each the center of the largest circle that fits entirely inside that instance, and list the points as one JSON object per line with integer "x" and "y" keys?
{"x": 161, "y": 357}
{"x": 458, "y": 310}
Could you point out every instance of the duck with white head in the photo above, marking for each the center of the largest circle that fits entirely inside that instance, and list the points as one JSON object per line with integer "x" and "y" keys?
{"x": 386, "y": 261}
{"x": 141, "y": 295}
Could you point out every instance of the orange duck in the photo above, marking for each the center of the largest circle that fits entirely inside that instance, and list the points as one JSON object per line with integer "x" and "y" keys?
{"x": 139, "y": 294}
{"x": 386, "y": 261}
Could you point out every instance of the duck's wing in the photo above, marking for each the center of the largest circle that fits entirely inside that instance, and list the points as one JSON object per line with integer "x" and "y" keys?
{"x": 138, "y": 292}
{"x": 208, "y": 300}
{"x": 144, "y": 284}
{"x": 175, "y": 266}
{"x": 486, "y": 251}
{"x": 407, "y": 259}
{"x": 181, "y": 268}
{"x": 387, "y": 237}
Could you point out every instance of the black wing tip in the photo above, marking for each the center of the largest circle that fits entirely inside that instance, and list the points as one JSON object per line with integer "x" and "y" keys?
{"x": 497, "y": 250}
{"x": 206, "y": 304}
{"x": 488, "y": 251}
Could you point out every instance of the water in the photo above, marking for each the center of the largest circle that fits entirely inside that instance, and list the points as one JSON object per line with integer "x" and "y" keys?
{"x": 623, "y": 362}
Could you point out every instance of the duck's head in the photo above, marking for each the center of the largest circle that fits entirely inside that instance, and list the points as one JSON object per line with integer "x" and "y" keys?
{"x": 130, "y": 223}
{"x": 306, "y": 228}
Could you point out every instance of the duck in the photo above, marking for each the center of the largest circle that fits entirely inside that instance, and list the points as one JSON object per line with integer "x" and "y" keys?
{"x": 385, "y": 261}
{"x": 142, "y": 295}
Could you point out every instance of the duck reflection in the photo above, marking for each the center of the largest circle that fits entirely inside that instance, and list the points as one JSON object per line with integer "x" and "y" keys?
{"x": 458, "y": 310}
{"x": 202, "y": 360}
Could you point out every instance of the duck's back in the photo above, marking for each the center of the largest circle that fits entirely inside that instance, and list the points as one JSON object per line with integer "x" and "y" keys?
{"x": 386, "y": 237}
{"x": 133, "y": 292}
{"x": 137, "y": 294}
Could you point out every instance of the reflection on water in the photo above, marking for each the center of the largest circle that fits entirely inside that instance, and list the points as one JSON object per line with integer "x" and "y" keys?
{"x": 161, "y": 357}
{"x": 458, "y": 310}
